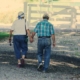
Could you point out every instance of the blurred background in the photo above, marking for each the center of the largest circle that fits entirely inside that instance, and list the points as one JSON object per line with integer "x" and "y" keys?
{"x": 10, "y": 8}
{"x": 65, "y": 15}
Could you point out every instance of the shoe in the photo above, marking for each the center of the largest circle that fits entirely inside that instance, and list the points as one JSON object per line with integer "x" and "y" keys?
{"x": 22, "y": 62}
{"x": 45, "y": 70}
{"x": 19, "y": 65}
{"x": 25, "y": 56}
{"x": 40, "y": 67}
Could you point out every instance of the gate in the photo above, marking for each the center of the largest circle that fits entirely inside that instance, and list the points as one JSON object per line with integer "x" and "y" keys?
{"x": 62, "y": 16}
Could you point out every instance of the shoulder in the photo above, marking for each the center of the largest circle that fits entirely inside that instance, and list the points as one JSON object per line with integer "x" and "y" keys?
{"x": 38, "y": 23}
{"x": 14, "y": 22}
{"x": 50, "y": 24}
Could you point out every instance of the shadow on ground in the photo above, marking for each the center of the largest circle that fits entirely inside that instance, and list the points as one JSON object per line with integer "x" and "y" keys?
{"x": 59, "y": 63}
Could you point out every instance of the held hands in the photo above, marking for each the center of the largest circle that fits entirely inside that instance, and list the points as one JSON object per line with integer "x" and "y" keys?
{"x": 31, "y": 40}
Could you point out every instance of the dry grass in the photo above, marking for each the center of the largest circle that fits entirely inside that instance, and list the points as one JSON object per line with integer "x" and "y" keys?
{"x": 10, "y": 8}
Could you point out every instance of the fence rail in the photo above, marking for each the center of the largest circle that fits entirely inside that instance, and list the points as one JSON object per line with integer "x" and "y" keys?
{"x": 59, "y": 14}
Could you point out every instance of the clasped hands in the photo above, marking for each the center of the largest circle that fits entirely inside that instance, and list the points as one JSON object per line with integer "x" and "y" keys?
{"x": 31, "y": 39}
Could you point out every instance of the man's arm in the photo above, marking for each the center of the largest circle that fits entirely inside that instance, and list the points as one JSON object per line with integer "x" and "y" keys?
{"x": 53, "y": 39}
{"x": 33, "y": 34}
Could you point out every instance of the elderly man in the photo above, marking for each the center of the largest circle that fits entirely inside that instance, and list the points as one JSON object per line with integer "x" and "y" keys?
{"x": 19, "y": 31}
{"x": 45, "y": 31}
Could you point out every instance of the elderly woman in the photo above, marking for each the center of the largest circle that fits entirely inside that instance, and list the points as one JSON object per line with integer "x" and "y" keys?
{"x": 19, "y": 31}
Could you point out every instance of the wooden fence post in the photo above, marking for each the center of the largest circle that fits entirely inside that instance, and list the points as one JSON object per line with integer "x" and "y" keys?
{"x": 73, "y": 18}
{"x": 29, "y": 14}
{"x": 25, "y": 10}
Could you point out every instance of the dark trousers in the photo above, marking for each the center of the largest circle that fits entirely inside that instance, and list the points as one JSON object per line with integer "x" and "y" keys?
{"x": 20, "y": 45}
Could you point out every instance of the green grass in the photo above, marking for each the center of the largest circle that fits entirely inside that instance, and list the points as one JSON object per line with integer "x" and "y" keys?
{"x": 3, "y": 35}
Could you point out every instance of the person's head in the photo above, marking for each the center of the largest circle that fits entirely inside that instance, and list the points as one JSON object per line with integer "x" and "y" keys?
{"x": 46, "y": 16}
{"x": 20, "y": 15}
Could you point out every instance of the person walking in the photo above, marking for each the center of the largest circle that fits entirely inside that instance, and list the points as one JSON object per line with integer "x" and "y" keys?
{"x": 20, "y": 43}
{"x": 45, "y": 31}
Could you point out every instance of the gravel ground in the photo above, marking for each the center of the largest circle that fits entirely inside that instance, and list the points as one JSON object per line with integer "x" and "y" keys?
{"x": 64, "y": 64}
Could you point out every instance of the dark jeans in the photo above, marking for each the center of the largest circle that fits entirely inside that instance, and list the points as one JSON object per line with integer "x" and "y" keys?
{"x": 20, "y": 45}
{"x": 44, "y": 48}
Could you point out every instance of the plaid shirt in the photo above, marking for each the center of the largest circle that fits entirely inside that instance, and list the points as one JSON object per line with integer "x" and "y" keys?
{"x": 44, "y": 28}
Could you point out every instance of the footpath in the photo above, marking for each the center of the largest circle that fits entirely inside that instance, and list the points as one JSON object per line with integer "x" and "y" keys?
{"x": 64, "y": 63}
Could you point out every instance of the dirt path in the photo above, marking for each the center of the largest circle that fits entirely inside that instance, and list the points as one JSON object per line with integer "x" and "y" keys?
{"x": 61, "y": 67}
{"x": 64, "y": 64}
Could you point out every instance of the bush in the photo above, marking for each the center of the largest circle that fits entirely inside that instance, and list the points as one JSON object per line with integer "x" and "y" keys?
{"x": 3, "y": 35}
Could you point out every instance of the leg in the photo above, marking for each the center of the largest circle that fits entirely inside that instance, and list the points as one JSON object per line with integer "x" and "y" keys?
{"x": 47, "y": 57}
{"x": 24, "y": 48}
{"x": 16, "y": 47}
{"x": 39, "y": 55}
{"x": 47, "y": 53}
{"x": 17, "y": 50}
{"x": 40, "y": 52}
